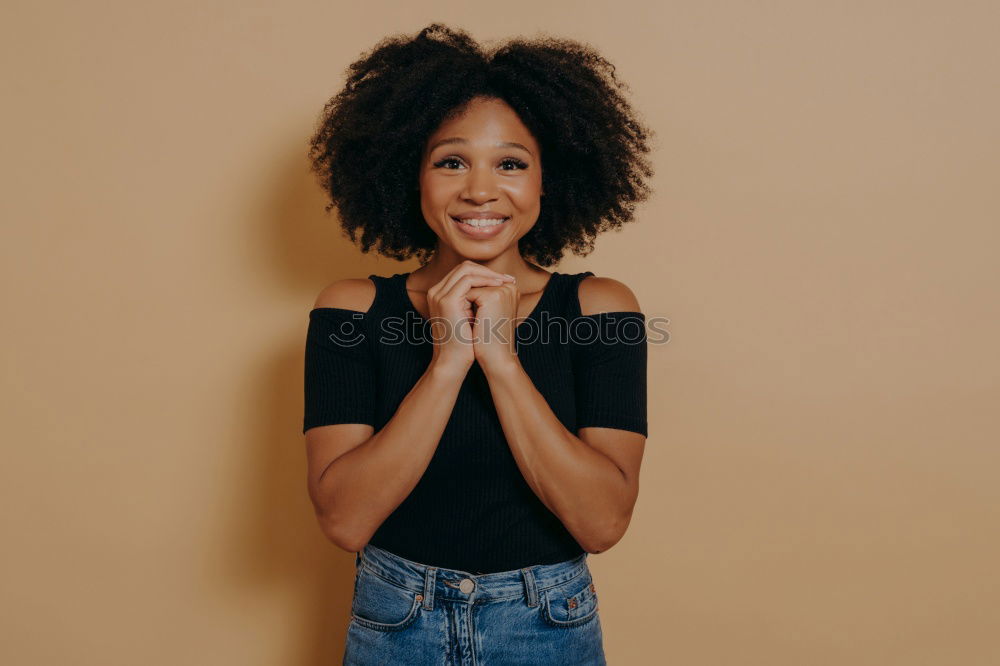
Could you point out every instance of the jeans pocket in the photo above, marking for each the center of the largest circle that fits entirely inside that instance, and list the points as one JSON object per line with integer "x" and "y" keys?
{"x": 382, "y": 605}
{"x": 571, "y": 603}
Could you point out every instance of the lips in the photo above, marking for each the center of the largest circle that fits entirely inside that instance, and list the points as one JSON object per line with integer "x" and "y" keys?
{"x": 471, "y": 229}
{"x": 489, "y": 218}
{"x": 480, "y": 216}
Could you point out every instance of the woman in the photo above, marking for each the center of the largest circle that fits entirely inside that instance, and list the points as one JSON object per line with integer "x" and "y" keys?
{"x": 475, "y": 427}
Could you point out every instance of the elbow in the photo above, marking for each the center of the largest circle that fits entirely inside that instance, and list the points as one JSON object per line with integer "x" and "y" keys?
{"x": 606, "y": 538}
{"x": 600, "y": 545}
{"x": 332, "y": 523}
{"x": 339, "y": 534}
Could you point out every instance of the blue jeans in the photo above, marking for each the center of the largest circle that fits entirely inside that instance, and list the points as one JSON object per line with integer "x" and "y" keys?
{"x": 409, "y": 613}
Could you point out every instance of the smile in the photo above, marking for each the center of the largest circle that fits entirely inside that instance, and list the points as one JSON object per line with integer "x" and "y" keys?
{"x": 481, "y": 228}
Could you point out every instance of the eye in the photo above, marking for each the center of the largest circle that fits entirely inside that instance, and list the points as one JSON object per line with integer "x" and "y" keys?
{"x": 447, "y": 160}
{"x": 518, "y": 164}
{"x": 508, "y": 161}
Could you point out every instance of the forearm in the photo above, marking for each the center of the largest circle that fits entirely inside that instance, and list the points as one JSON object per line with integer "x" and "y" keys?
{"x": 359, "y": 490}
{"x": 580, "y": 485}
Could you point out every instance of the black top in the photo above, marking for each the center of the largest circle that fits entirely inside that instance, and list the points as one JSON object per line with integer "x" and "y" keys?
{"x": 472, "y": 510}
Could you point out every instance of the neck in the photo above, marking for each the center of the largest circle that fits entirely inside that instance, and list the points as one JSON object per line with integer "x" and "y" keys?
{"x": 445, "y": 259}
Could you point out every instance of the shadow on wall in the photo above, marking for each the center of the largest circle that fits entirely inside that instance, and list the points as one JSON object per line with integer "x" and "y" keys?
{"x": 278, "y": 548}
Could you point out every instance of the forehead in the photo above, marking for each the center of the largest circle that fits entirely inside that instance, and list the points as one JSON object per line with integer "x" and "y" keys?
{"x": 484, "y": 123}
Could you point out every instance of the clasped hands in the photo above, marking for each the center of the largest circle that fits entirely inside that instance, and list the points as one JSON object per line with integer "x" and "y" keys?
{"x": 495, "y": 310}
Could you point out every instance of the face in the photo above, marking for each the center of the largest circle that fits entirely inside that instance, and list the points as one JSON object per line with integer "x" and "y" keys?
{"x": 482, "y": 164}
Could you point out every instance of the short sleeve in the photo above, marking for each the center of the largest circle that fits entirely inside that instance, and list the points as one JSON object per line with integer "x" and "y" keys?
{"x": 609, "y": 368}
{"x": 339, "y": 369}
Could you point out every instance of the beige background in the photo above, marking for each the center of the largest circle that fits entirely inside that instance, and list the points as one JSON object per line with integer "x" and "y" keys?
{"x": 820, "y": 485}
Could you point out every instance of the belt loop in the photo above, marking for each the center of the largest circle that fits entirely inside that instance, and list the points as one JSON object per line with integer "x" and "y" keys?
{"x": 430, "y": 577}
{"x": 529, "y": 587}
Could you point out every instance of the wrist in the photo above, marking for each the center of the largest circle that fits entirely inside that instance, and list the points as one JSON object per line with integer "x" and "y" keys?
{"x": 448, "y": 370}
{"x": 507, "y": 368}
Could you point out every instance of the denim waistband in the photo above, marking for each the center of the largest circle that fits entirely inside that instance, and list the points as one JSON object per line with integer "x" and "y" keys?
{"x": 435, "y": 583}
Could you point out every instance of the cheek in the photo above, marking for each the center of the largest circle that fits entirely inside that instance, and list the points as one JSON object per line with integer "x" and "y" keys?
{"x": 435, "y": 192}
{"x": 440, "y": 189}
{"x": 525, "y": 194}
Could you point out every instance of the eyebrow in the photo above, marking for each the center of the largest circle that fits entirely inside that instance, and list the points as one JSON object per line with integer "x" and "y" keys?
{"x": 499, "y": 144}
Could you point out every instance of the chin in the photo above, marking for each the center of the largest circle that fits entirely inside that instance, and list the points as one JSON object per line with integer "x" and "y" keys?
{"x": 480, "y": 249}
{"x": 477, "y": 252}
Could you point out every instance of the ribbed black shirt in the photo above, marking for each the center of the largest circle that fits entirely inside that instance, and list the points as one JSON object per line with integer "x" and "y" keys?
{"x": 472, "y": 510}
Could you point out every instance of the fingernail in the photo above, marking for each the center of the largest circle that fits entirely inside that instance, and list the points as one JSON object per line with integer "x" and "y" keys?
{"x": 511, "y": 277}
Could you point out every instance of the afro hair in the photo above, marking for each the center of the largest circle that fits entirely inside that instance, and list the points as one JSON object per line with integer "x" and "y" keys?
{"x": 371, "y": 136}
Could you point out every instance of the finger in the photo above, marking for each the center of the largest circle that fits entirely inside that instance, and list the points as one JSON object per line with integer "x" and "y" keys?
{"x": 468, "y": 282}
{"x": 467, "y": 268}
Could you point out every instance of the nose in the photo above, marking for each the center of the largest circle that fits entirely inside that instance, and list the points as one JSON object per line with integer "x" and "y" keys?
{"x": 480, "y": 184}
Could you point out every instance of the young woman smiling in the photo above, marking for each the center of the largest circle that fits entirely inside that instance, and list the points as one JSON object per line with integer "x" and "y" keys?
{"x": 475, "y": 427}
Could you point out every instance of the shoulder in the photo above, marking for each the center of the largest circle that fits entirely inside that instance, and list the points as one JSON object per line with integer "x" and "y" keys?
{"x": 350, "y": 294}
{"x": 604, "y": 294}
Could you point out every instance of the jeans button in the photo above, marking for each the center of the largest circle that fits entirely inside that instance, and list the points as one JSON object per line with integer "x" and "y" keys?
{"x": 467, "y": 586}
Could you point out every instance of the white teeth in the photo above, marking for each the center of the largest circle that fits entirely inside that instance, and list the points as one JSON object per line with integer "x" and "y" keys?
{"x": 487, "y": 222}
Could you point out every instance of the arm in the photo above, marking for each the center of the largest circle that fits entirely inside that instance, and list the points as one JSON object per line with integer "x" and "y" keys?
{"x": 356, "y": 476}
{"x": 590, "y": 480}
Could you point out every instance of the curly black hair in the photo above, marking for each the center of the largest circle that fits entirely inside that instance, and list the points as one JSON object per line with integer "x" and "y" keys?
{"x": 371, "y": 136}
